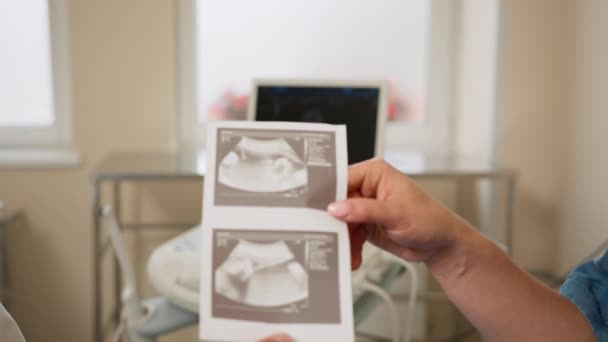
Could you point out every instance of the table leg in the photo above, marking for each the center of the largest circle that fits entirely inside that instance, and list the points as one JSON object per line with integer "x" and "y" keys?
{"x": 97, "y": 309}
{"x": 117, "y": 274}
{"x": 5, "y": 294}
{"x": 510, "y": 219}
{"x": 460, "y": 189}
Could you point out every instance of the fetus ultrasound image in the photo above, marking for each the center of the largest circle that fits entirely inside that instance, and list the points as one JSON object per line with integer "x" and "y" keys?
{"x": 259, "y": 165}
{"x": 275, "y": 168}
{"x": 275, "y": 276}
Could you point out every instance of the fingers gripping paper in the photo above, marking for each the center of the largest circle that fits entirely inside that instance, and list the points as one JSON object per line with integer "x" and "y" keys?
{"x": 273, "y": 260}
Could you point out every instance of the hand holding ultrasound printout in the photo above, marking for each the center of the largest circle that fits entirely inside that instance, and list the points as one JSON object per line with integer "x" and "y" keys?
{"x": 272, "y": 258}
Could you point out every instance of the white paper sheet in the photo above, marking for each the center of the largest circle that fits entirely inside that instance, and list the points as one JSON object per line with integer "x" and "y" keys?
{"x": 272, "y": 258}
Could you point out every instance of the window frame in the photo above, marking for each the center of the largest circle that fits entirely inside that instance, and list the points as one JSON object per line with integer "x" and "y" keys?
{"x": 432, "y": 135}
{"x": 59, "y": 134}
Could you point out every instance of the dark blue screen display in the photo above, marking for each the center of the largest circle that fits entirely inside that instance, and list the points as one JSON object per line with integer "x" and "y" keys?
{"x": 357, "y": 108}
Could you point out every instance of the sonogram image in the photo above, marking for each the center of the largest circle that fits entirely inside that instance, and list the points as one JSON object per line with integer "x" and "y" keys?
{"x": 258, "y": 165}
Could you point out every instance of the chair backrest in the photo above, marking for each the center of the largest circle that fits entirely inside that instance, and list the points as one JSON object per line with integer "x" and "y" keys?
{"x": 130, "y": 298}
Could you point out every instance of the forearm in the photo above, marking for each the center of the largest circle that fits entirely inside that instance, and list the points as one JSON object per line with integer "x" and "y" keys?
{"x": 502, "y": 301}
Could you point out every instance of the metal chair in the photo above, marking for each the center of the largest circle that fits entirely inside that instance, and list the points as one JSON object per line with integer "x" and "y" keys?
{"x": 141, "y": 320}
{"x": 375, "y": 291}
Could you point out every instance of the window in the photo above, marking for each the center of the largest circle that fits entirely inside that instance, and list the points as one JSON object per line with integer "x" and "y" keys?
{"x": 224, "y": 45}
{"x": 34, "y": 81}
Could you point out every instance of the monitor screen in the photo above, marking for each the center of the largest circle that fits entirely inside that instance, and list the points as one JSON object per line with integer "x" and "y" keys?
{"x": 355, "y": 107}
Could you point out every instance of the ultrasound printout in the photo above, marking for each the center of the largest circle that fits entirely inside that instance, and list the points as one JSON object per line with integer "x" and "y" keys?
{"x": 275, "y": 168}
{"x": 272, "y": 258}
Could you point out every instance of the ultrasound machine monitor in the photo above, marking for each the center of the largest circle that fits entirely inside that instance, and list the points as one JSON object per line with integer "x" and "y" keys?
{"x": 361, "y": 106}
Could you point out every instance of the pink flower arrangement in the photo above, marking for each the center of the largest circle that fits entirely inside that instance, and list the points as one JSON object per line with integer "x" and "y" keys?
{"x": 230, "y": 106}
{"x": 409, "y": 109}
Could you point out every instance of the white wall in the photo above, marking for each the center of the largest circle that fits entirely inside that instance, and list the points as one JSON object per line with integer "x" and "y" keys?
{"x": 475, "y": 89}
{"x": 533, "y": 107}
{"x": 123, "y": 99}
{"x": 553, "y": 117}
{"x": 584, "y": 194}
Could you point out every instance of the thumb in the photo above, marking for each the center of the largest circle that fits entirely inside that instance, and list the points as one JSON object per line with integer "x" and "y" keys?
{"x": 362, "y": 210}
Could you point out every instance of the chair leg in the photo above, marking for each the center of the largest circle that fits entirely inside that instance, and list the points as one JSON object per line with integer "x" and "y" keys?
{"x": 132, "y": 310}
{"x": 411, "y": 305}
{"x": 119, "y": 332}
{"x": 134, "y": 336}
{"x": 380, "y": 292}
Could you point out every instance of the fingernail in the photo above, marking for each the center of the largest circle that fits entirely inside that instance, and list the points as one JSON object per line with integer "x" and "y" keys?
{"x": 281, "y": 338}
{"x": 338, "y": 209}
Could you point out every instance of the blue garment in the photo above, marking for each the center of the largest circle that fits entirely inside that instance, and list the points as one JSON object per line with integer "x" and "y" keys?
{"x": 587, "y": 287}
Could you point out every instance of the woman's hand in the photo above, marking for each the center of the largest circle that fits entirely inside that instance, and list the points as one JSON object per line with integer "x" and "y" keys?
{"x": 388, "y": 209}
{"x": 502, "y": 301}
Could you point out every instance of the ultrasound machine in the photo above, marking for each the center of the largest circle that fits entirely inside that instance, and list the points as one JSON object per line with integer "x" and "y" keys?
{"x": 360, "y": 105}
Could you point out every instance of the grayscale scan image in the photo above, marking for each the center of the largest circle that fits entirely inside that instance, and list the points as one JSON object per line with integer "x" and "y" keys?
{"x": 275, "y": 276}
{"x": 275, "y": 168}
{"x": 259, "y": 165}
